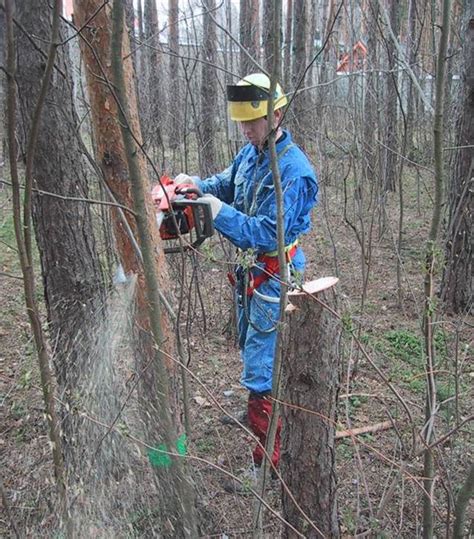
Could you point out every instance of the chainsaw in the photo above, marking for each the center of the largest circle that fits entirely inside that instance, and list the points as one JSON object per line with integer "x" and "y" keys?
{"x": 181, "y": 210}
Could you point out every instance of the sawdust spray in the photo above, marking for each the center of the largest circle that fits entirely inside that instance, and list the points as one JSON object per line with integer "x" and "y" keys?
{"x": 110, "y": 490}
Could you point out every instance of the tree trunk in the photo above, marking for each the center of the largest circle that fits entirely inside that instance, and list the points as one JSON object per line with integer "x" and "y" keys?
{"x": 174, "y": 105}
{"x": 249, "y": 35}
{"x": 371, "y": 121}
{"x": 462, "y": 502}
{"x": 458, "y": 286}
{"x": 22, "y": 219}
{"x": 431, "y": 267}
{"x": 70, "y": 266}
{"x": 153, "y": 100}
{"x": 287, "y": 57}
{"x": 311, "y": 49}
{"x": 412, "y": 46}
{"x": 310, "y": 388}
{"x": 130, "y": 17}
{"x": 300, "y": 22}
{"x": 2, "y": 96}
{"x": 391, "y": 107}
{"x": 328, "y": 63}
{"x": 209, "y": 93}
{"x": 268, "y": 34}
{"x": 112, "y": 157}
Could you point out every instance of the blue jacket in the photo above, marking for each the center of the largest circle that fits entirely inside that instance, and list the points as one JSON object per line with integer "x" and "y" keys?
{"x": 248, "y": 216}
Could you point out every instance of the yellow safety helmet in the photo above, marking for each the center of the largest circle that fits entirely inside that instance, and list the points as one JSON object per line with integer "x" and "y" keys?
{"x": 248, "y": 99}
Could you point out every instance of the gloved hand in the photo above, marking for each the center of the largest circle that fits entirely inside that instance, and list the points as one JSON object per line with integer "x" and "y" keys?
{"x": 215, "y": 204}
{"x": 183, "y": 178}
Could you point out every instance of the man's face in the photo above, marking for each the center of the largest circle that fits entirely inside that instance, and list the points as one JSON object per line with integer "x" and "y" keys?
{"x": 255, "y": 131}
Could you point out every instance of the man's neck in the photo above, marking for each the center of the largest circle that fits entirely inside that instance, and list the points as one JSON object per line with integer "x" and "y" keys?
{"x": 279, "y": 135}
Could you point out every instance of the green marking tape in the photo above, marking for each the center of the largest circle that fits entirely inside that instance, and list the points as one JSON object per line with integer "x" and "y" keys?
{"x": 159, "y": 457}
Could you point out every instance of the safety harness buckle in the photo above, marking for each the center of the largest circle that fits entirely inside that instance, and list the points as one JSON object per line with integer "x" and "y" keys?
{"x": 247, "y": 283}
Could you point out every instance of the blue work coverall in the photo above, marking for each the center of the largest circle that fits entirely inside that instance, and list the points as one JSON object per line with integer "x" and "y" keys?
{"x": 248, "y": 218}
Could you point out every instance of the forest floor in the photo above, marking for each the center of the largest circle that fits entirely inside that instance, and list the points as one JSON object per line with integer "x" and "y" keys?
{"x": 366, "y": 465}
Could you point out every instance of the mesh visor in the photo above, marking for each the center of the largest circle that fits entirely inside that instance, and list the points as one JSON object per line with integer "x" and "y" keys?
{"x": 246, "y": 93}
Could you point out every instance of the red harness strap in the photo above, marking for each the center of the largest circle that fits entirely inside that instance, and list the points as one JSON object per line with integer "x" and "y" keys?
{"x": 270, "y": 267}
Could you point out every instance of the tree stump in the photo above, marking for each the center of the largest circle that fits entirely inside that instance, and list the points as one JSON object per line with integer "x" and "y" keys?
{"x": 310, "y": 382}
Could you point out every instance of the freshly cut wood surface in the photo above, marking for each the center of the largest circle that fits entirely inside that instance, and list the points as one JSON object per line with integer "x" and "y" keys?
{"x": 318, "y": 285}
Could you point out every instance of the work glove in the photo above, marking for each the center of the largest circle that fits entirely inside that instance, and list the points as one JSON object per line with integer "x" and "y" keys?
{"x": 215, "y": 204}
{"x": 183, "y": 178}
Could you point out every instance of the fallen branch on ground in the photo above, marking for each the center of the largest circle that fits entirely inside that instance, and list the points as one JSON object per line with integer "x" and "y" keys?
{"x": 385, "y": 425}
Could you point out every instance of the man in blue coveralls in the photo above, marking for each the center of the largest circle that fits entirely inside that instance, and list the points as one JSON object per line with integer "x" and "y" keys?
{"x": 242, "y": 200}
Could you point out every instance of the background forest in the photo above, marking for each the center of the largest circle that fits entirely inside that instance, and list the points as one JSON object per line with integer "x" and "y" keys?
{"x": 118, "y": 361}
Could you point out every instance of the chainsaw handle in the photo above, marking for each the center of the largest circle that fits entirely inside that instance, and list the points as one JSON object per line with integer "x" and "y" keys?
{"x": 189, "y": 191}
{"x": 202, "y": 220}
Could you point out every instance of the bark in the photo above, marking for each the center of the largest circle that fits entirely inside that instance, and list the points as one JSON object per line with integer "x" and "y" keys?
{"x": 179, "y": 499}
{"x": 141, "y": 69}
{"x": 268, "y": 33}
{"x": 429, "y": 314}
{"x": 462, "y": 501}
{"x": 391, "y": 105}
{"x": 371, "y": 122}
{"x": 328, "y": 64}
{"x": 329, "y": 54}
{"x": 153, "y": 100}
{"x": 458, "y": 286}
{"x": 300, "y": 22}
{"x": 72, "y": 277}
{"x": 174, "y": 107}
{"x": 2, "y": 93}
{"x": 23, "y": 234}
{"x": 287, "y": 57}
{"x": 130, "y": 18}
{"x": 312, "y": 32}
{"x": 96, "y": 46}
{"x": 209, "y": 93}
{"x": 249, "y": 35}
{"x": 310, "y": 383}
{"x": 412, "y": 46}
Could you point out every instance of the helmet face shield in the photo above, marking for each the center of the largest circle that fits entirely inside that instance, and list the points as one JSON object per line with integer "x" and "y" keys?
{"x": 248, "y": 99}
{"x": 239, "y": 92}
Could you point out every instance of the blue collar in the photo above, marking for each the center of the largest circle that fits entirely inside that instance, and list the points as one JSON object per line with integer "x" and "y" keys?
{"x": 283, "y": 141}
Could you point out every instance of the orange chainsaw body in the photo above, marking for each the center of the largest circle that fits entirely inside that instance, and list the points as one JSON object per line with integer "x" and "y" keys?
{"x": 180, "y": 211}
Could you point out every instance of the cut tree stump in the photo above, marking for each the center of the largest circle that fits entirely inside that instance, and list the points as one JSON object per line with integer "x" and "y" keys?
{"x": 310, "y": 381}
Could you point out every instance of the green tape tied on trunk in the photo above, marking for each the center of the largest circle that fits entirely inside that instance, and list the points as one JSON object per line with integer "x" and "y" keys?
{"x": 159, "y": 457}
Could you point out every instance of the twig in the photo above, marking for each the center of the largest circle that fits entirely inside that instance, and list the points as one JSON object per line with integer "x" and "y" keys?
{"x": 5, "y": 274}
{"x": 76, "y": 199}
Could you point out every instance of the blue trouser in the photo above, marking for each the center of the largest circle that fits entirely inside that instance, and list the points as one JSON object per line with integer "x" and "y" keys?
{"x": 257, "y": 325}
